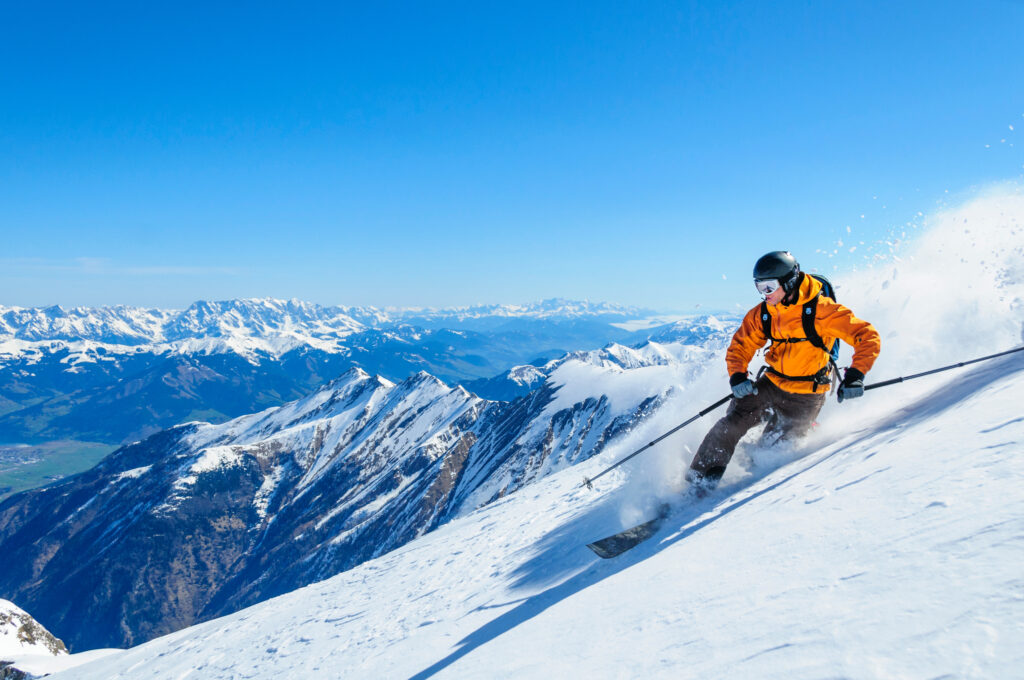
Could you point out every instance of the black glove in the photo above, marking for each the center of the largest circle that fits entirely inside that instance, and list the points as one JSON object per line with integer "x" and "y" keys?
{"x": 852, "y": 385}
{"x": 741, "y": 385}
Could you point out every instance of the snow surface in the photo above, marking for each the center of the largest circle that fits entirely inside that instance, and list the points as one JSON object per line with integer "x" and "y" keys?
{"x": 887, "y": 544}
{"x": 44, "y": 664}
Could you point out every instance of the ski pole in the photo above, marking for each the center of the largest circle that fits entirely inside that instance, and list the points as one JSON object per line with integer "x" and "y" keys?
{"x": 588, "y": 480}
{"x": 939, "y": 370}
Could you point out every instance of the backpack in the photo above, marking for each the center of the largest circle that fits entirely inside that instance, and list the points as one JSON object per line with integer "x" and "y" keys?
{"x": 807, "y": 316}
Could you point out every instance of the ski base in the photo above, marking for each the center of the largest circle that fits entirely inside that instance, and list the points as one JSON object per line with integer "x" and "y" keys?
{"x": 616, "y": 544}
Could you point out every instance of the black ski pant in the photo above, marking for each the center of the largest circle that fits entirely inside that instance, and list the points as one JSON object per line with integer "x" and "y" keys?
{"x": 789, "y": 415}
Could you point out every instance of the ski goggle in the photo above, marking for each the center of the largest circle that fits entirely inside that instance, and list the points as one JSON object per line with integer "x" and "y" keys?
{"x": 766, "y": 286}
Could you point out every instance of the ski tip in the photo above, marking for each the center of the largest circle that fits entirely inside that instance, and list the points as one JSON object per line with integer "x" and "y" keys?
{"x": 616, "y": 544}
{"x": 601, "y": 552}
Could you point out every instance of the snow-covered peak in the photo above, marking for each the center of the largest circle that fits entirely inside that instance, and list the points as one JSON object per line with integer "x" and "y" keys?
{"x": 260, "y": 318}
{"x": 526, "y": 376}
{"x": 353, "y": 388}
{"x": 119, "y": 324}
{"x": 20, "y": 634}
{"x": 620, "y": 357}
{"x": 421, "y": 380}
{"x": 697, "y": 330}
{"x": 543, "y": 309}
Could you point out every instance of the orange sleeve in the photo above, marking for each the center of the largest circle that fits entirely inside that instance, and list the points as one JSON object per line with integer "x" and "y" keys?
{"x": 747, "y": 339}
{"x": 836, "y": 321}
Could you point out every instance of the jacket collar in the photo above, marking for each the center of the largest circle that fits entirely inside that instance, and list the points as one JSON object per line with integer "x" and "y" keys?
{"x": 809, "y": 287}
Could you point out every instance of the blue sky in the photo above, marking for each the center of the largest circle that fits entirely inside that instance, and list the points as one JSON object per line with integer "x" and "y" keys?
{"x": 417, "y": 153}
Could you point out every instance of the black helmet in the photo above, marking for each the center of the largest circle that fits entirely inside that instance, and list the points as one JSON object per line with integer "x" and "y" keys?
{"x": 778, "y": 264}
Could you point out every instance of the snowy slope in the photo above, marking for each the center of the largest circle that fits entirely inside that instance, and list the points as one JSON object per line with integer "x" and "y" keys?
{"x": 890, "y": 550}
{"x": 887, "y": 544}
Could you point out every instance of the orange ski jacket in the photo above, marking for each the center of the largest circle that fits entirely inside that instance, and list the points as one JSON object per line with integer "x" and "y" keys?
{"x": 832, "y": 321}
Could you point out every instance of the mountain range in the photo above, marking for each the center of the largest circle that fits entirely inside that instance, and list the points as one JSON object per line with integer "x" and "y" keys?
{"x": 264, "y": 503}
{"x": 115, "y": 375}
{"x": 267, "y": 323}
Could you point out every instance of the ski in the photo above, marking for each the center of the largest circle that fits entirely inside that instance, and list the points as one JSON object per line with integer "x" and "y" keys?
{"x": 616, "y": 544}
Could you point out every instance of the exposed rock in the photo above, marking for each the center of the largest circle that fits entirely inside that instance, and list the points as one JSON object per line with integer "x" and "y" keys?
{"x": 22, "y": 634}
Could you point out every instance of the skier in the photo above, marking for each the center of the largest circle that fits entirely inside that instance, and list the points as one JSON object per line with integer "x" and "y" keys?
{"x": 791, "y": 389}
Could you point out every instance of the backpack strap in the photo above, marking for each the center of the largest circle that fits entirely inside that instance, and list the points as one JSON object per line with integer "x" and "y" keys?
{"x": 810, "y": 310}
{"x": 822, "y": 377}
{"x": 766, "y": 321}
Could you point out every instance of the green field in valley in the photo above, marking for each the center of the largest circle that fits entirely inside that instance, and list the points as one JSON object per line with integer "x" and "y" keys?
{"x": 28, "y": 466}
